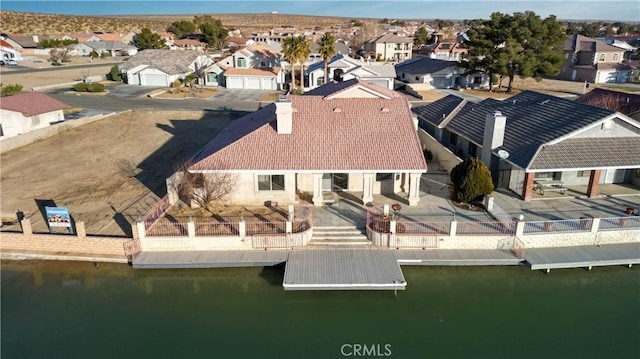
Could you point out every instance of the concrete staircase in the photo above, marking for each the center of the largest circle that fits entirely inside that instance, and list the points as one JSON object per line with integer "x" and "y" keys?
{"x": 338, "y": 236}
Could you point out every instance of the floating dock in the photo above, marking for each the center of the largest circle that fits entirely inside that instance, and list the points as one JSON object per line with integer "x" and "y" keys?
{"x": 583, "y": 256}
{"x": 343, "y": 269}
{"x": 456, "y": 257}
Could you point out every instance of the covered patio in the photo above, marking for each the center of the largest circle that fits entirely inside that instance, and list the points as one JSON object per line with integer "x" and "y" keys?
{"x": 581, "y": 191}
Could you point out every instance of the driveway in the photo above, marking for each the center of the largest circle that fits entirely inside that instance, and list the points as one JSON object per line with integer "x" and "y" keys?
{"x": 464, "y": 95}
{"x": 239, "y": 95}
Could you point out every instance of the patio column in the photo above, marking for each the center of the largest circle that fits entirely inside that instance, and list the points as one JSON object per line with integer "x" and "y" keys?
{"x": 367, "y": 187}
{"x": 317, "y": 189}
{"x": 594, "y": 181}
{"x": 414, "y": 188}
{"x": 527, "y": 187}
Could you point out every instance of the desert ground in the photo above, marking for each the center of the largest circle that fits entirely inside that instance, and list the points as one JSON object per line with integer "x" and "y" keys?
{"x": 108, "y": 173}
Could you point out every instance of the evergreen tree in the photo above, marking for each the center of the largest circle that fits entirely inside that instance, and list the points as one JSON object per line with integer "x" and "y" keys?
{"x": 149, "y": 40}
{"x": 214, "y": 33}
{"x": 471, "y": 180}
{"x": 421, "y": 36}
{"x": 182, "y": 28}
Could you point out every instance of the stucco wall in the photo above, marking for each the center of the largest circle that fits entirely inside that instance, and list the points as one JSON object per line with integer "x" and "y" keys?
{"x": 246, "y": 191}
{"x": 441, "y": 154}
{"x": 14, "y": 123}
{"x": 618, "y": 128}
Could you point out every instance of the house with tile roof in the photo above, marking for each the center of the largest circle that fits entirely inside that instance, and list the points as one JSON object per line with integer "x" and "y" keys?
{"x": 595, "y": 61}
{"x": 623, "y": 102}
{"x": 189, "y": 44}
{"x": 255, "y": 67}
{"x": 25, "y": 112}
{"x": 532, "y": 137}
{"x": 7, "y": 52}
{"x": 349, "y": 136}
{"x": 439, "y": 74}
{"x": 113, "y": 48}
{"x": 342, "y": 67}
{"x": 390, "y": 47}
{"x": 161, "y": 67}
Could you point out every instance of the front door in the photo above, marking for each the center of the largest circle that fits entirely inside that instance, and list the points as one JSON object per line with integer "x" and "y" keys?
{"x": 335, "y": 182}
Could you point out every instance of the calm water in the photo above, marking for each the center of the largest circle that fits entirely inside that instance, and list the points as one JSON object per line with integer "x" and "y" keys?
{"x": 75, "y": 310}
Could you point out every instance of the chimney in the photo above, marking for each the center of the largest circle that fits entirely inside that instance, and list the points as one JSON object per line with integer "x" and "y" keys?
{"x": 494, "y": 127}
{"x": 284, "y": 116}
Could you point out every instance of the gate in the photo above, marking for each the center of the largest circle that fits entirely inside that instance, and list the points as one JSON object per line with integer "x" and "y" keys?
{"x": 501, "y": 178}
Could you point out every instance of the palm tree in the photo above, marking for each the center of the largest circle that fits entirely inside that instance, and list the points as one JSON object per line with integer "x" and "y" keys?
{"x": 303, "y": 49}
{"x": 327, "y": 50}
{"x": 289, "y": 53}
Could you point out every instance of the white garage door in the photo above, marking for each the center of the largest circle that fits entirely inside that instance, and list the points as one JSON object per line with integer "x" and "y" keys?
{"x": 268, "y": 84}
{"x": 154, "y": 80}
{"x": 252, "y": 83}
{"x": 234, "y": 82}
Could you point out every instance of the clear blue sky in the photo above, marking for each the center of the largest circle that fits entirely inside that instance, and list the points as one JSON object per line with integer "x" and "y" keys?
{"x": 417, "y": 9}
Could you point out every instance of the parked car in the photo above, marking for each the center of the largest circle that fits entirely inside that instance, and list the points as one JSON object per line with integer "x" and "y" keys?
{"x": 9, "y": 62}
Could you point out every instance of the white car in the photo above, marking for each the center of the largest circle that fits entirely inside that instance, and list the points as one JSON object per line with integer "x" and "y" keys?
{"x": 9, "y": 62}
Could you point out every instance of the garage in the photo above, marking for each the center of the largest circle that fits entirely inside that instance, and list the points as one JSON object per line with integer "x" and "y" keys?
{"x": 234, "y": 82}
{"x": 252, "y": 83}
{"x": 268, "y": 84}
{"x": 154, "y": 80}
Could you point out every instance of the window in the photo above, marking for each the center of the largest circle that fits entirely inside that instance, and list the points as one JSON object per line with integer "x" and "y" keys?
{"x": 320, "y": 81}
{"x": 584, "y": 173}
{"x": 417, "y": 78}
{"x": 270, "y": 182}
{"x": 403, "y": 75}
{"x": 453, "y": 138}
{"x": 549, "y": 175}
{"x": 601, "y": 59}
{"x": 615, "y": 57}
{"x": 263, "y": 64}
{"x": 473, "y": 149}
{"x": 242, "y": 62}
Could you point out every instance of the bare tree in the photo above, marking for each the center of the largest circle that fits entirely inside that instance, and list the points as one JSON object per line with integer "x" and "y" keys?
{"x": 611, "y": 101}
{"x": 59, "y": 54}
{"x": 203, "y": 190}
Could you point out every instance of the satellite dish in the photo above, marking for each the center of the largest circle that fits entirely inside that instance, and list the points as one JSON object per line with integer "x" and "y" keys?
{"x": 503, "y": 154}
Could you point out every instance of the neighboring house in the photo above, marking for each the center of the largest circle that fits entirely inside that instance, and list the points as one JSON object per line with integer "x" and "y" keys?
{"x": 534, "y": 137}
{"x": 255, "y": 67}
{"x": 189, "y": 44}
{"x": 449, "y": 51}
{"x": 268, "y": 78}
{"x": 349, "y": 136}
{"x": 594, "y": 61}
{"x": 163, "y": 67}
{"x": 390, "y": 47}
{"x": 21, "y": 41}
{"x": 623, "y": 102}
{"x": 315, "y": 55}
{"x": 80, "y": 37}
{"x": 7, "y": 52}
{"x": 113, "y": 48}
{"x": 342, "y": 68}
{"x": 235, "y": 43}
{"x": 439, "y": 74}
{"x": 29, "y": 111}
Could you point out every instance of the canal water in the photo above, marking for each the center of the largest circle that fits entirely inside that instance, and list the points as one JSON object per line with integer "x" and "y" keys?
{"x": 78, "y": 310}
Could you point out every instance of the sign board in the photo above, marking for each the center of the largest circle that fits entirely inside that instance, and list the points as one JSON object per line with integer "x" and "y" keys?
{"x": 58, "y": 217}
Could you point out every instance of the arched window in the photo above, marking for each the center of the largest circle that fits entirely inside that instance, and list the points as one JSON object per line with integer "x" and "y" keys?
{"x": 242, "y": 62}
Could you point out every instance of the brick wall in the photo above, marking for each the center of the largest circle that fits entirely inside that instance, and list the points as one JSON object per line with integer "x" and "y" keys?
{"x": 63, "y": 244}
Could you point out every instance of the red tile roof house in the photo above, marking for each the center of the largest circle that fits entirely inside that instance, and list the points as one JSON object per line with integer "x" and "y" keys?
{"x": 26, "y": 112}
{"x": 348, "y": 136}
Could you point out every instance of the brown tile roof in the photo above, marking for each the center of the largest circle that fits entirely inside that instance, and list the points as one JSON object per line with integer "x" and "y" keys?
{"x": 626, "y": 103}
{"x": 169, "y": 61}
{"x": 5, "y": 44}
{"x": 391, "y": 39}
{"x": 31, "y": 103}
{"x": 340, "y": 134}
{"x": 588, "y": 153}
{"x": 109, "y": 36}
{"x": 259, "y": 49}
{"x": 191, "y": 42}
{"x": 252, "y": 71}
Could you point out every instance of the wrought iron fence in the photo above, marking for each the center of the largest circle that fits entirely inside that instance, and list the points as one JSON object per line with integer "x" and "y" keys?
{"x": 151, "y": 217}
{"x": 486, "y": 228}
{"x": 216, "y": 228}
{"x": 168, "y": 229}
{"x": 423, "y": 227}
{"x": 517, "y": 248}
{"x": 619, "y": 223}
{"x": 413, "y": 241}
{"x": 132, "y": 248}
{"x": 563, "y": 225}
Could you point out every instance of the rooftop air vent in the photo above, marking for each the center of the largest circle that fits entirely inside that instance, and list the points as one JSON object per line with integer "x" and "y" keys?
{"x": 337, "y": 109}
{"x": 385, "y": 109}
{"x": 544, "y": 102}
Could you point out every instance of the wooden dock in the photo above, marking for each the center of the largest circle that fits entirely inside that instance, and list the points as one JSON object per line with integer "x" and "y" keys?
{"x": 456, "y": 257}
{"x": 210, "y": 259}
{"x": 583, "y": 256}
{"x": 343, "y": 269}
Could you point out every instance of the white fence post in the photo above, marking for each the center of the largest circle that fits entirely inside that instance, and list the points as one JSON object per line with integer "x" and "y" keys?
{"x": 453, "y": 229}
{"x": 289, "y": 227}
{"x": 141, "y": 230}
{"x": 392, "y": 226}
{"x": 242, "y": 228}
{"x": 595, "y": 225}
{"x": 520, "y": 229}
{"x": 385, "y": 209}
{"x": 191, "y": 229}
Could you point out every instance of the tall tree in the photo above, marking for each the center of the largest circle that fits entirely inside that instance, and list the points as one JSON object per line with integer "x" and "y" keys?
{"x": 421, "y": 36}
{"x": 327, "y": 50}
{"x": 214, "y": 33}
{"x": 303, "y": 49}
{"x": 289, "y": 53}
{"x": 182, "y": 28}
{"x": 149, "y": 40}
{"x": 522, "y": 45}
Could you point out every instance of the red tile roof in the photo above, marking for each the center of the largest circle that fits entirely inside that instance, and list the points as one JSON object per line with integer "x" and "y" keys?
{"x": 329, "y": 134}
{"x": 31, "y": 103}
{"x": 5, "y": 44}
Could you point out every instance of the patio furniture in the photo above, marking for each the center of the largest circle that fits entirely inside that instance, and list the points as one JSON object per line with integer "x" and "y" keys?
{"x": 549, "y": 186}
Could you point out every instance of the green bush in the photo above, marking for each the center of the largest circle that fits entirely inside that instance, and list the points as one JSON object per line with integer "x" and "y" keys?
{"x": 95, "y": 87}
{"x": 471, "y": 181}
{"x": 427, "y": 154}
{"x": 55, "y": 63}
{"x": 114, "y": 74}
{"x": 105, "y": 54}
{"x": 94, "y": 54}
{"x": 176, "y": 84}
{"x": 80, "y": 87}
{"x": 10, "y": 89}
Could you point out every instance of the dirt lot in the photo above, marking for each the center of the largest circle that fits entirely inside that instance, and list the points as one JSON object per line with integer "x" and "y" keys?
{"x": 108, "y": 173}
{"x": 44, "y": 78}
